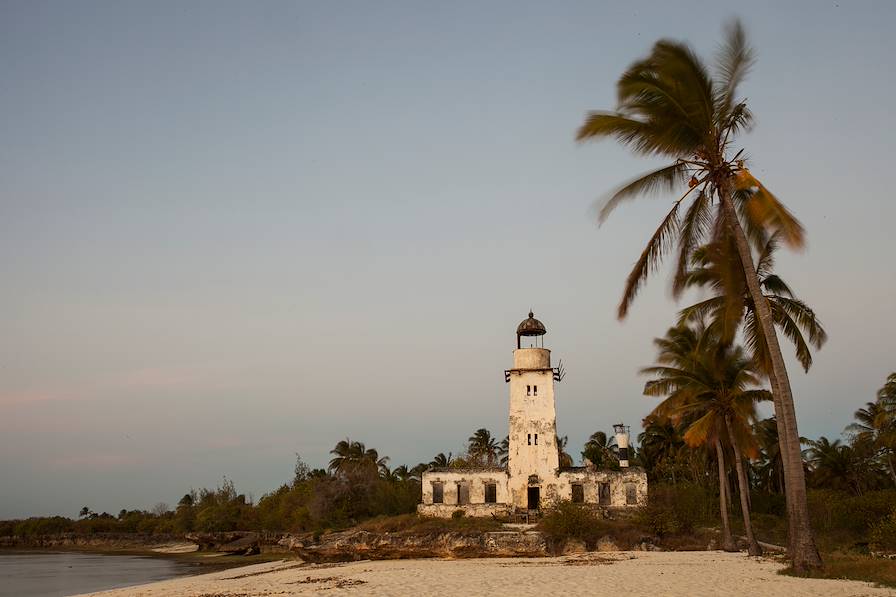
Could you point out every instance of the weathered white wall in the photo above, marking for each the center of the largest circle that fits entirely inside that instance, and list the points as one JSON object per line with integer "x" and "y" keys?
{"x": 530, "y": 415}
{"x": 617, "y": 480}
{"x": 476, "y": 480}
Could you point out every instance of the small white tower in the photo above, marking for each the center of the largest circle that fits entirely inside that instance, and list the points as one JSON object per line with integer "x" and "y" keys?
{"x": 533, "y": 460}
{"x": 621, "y": 432}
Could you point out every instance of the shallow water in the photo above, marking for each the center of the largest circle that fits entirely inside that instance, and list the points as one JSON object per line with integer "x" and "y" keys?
{"x": 66, "y": 573}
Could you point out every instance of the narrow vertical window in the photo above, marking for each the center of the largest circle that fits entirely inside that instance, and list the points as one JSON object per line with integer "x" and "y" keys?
{"x": 491, "y": 493}
{"x": 529, "y": 439}
{"x": 528, "y": 390}
{"x": 603, "y": 491}
{"x": 536, "y": 439}
{"x": 437, "y": 493}
{"x": 463, "y": 494}
{"x": 535, "y": 390}
{"x": 631, "y": 494}
{"x": 578, "y": 493}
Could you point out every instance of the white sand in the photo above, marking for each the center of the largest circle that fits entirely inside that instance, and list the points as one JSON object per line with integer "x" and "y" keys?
{"x": 613, "y": 574}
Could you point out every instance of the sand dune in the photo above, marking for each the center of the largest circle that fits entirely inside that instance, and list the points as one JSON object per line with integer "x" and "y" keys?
{"x": 623, "y": 573}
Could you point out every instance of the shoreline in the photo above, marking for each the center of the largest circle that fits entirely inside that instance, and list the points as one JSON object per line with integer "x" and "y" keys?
{"x": 617, "y": 573}
{"x": 202, "y": 562}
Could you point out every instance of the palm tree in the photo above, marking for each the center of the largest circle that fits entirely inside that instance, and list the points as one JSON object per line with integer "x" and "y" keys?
{"x": 441, "y": 461}
{"x": 354, "y": 457}
{"x": 600, "y": 450}
{"x": 732, "y": 309}
{"x": 876, "y": 424}
{"x": 482, "y": 446}
{"x": 563, "y": 458}
{"x": 770, "y": 466}
{"x": 504, "y": 450}
{"x": 710, "y": 388}
{"x": 838, "y": 466}
{"x": 670, "y": 106}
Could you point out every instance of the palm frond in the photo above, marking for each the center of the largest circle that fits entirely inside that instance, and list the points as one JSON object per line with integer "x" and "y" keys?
{"x": 697, "y": 221}
{"x": 733, "y": 63}
{"x": 650, "y": 258}
{"x": 667, "y": 178}
{"x": 764, "y": 210}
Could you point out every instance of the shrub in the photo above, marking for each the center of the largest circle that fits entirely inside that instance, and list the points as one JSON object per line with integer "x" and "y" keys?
{"x": 572, "y": 521}
{"x": 672, "y": 509}
{"x": 883, "y": 533}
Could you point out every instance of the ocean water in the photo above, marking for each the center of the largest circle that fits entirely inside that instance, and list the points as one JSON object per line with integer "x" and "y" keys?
{"x": 24, "y": 574}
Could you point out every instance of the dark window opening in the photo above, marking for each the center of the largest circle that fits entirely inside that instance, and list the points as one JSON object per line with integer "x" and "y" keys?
{"x": 528, "y": 439}
{"x": 528, "y": 390}
{"x": 491, "y": 493}
{"x": 535, "y": 390}
{"x": 438, "y": 495}
{"x": 603, "y": 492}
{"x": 463, "y": 494}
{"x": 578, "y": 493}
{"x": 631, "y": 494}
{"x": 536, "y": 439}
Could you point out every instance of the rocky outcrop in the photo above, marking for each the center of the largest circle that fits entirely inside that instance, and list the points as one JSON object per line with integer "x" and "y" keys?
{"x": 364, "y": 545}
{"x": 235, "y": 543}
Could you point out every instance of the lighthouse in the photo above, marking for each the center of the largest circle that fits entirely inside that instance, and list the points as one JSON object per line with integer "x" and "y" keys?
{"x": 533, "y": 458}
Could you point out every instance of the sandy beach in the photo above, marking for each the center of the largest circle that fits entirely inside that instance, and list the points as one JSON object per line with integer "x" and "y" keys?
{"x": 622, "y": 573}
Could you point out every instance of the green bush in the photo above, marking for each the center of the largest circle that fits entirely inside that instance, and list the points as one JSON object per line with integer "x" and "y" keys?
{"x": 833, "y": 511}
{"x": 673, "y": 509}
{"x": 883, "y": 533}
{"x": 572, "y": 521}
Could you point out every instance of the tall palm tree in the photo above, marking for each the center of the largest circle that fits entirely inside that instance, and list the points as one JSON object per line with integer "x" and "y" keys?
{"x": 717, "y": 266}
{"x": 669, "y": 105}
{"x": 839, "y": 466}
{"x": 483, "y": 447}
{"x": 712, "y": 388}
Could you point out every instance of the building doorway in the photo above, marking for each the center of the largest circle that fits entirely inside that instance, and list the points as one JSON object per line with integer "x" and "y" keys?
{"x": 533, "y": 495}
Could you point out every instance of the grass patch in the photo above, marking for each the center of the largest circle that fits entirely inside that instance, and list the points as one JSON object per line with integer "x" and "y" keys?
{"x": 850, "y": 566}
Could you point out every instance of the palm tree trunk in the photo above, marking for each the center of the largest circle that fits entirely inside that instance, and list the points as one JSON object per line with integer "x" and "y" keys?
{"x": 892, "y": 469}
{"x": 727, "y": 541}
{"x": 752, "y": 545}
{"x": 803, "y": 552}
{"x": 784, "y": 452}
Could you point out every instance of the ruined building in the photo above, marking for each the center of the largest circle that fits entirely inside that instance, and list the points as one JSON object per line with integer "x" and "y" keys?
{"x": 532, "y": 479}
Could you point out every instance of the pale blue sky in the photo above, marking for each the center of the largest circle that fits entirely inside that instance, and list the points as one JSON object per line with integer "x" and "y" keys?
{"x": 233, "y": 231}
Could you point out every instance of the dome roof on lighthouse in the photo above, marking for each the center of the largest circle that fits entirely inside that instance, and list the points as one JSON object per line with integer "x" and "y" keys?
{"x": 531, "y": 327}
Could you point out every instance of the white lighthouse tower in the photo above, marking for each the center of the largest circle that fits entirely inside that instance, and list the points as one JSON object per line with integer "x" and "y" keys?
{"x": 533, "y": 459}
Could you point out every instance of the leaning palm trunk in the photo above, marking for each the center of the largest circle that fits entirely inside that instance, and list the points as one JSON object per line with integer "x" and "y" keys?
{"x": 753, "y": 547}
{"x": 727, "y": 541}
{"x": 803, "y": 552}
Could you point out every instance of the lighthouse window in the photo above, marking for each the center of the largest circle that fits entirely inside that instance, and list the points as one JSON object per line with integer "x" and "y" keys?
{"x": 438, "y": 495}
{"x": 528, "y": 390}
{"x": 491, "y": 493}
{"x": 529, "y": 439}
{"x": 536, "y": 439}
{"x": 535, "y": 390}
{"x": 578, "y": 493}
